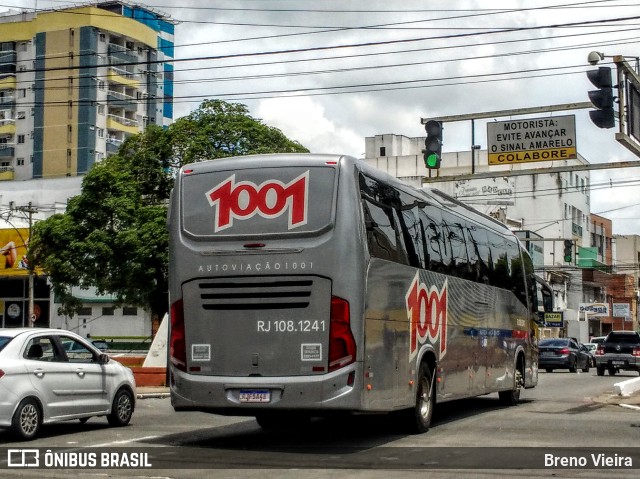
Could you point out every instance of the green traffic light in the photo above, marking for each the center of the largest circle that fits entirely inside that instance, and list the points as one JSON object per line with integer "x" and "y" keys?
{"x": 432, "y": 160}
{"x": 567, "y": 259}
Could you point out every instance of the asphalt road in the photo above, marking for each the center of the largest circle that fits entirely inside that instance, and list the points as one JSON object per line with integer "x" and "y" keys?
{"x": 567, "y": 415}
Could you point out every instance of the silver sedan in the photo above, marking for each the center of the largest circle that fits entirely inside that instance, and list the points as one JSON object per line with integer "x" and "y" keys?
{"x": 51, "y": 375}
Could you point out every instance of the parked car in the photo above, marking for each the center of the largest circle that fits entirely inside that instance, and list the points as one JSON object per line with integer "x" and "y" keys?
{"x": 52, "y": 375}
{"x": 563, "y": 353}
{"x": 101, "y": 344}
{"x": 620, "y": 351}
{"x": 591, "y": 347}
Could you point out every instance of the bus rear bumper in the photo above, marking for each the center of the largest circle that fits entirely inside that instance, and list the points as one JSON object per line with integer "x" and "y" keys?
{"x": 246, "y": 395}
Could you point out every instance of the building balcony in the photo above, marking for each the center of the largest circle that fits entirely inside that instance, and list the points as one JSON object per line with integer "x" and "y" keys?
{"x": 7, "y": 127}
{"x": 7, "y": 101}
{"x": 7, "y": 151}
{"x": 123, "y": 77}
{"x": 119, "y": 54}
{"x": 113, "y": 145}
{"x": 8, "y": 83}
{"x": 120, "y": 100}
{"x": 6, "y": 173}
{"x": 10, "y": 57}
{"x": 122, "y": 124}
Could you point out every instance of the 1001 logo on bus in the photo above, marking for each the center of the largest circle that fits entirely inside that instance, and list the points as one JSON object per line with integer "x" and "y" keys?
{"x": 270, "y": 199}
{"x": 427, "y": 312}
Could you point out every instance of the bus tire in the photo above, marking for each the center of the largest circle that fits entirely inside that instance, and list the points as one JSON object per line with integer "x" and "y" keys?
{"x": 425, "y": 400}
{"x": 511, "y": 397}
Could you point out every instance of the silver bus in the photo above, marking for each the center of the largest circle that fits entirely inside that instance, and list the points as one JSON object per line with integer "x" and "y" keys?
{"x": 309, "y": 285}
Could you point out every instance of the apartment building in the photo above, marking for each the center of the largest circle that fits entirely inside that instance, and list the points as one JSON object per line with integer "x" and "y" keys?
{"x": 75, "y": 82}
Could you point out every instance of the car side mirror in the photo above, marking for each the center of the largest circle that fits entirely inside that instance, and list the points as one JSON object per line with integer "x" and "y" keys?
{"x": 104, "y": 358}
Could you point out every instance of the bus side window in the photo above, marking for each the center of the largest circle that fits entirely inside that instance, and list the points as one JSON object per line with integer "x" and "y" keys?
{"x": 516, "y": 270}
{"x": 459, "y": 262}
{"x": 479, "y": 253}
{"x": 431, "y": 219}
{"x": 500, "y": 269}
{"x": 413, "y": 236}
{"x": 383, "y": 233}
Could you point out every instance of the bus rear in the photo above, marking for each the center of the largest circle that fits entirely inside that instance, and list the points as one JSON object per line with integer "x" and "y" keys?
{"x": 265, "y": 304}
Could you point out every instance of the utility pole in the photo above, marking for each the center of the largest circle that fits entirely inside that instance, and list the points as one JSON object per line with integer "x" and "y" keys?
{"x": 29, "y": 210}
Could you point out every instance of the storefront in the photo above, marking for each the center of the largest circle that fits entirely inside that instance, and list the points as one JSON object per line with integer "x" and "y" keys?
{"x": 14, "y": 283}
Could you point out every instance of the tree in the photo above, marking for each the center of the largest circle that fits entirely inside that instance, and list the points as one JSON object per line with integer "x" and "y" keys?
{"x": 113, "y": 235}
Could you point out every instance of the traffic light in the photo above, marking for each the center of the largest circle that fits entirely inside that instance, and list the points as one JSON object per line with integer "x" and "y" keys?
{"x": 602, "y": 98}
{"x": 568, "y": 251}
{"x": 433, "y": 144}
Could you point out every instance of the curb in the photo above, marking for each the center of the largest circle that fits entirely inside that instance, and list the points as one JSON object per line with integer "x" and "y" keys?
{"x": 626, "y": 388}
{"x": 152, "y": 395}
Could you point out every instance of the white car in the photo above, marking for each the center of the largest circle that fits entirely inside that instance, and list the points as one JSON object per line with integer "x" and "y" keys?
{"x": 51, "y": 375}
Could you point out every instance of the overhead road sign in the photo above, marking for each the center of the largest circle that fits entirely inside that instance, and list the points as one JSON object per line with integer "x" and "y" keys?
{"x": 531, "y": 140}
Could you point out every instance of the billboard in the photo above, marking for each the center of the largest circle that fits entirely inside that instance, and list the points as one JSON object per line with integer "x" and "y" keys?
{"x": 536, "y": 139}
{"x": 13, "y": 251}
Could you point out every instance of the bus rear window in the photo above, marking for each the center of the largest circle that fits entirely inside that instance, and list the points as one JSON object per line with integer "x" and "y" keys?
{"x": 253, "y": 202}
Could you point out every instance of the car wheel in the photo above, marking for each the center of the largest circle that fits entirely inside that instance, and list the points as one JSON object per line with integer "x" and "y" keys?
{"x": 549, "y": 370}
{"x": 600, "y": 370}
{"x": 27, "y": 419}
{"x": 574, "y": 367}
{"x": 122, "y": 409}
{"x": 612, "y": 371}
{"x": 83, "y": 420}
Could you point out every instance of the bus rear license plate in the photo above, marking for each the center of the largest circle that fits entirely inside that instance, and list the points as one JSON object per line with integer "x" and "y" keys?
{"x": 255, "y": 396}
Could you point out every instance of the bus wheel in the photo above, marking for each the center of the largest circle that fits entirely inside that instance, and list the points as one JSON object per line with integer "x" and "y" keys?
{"x": 512, "y": 396}
{"x": 425, "y": 400}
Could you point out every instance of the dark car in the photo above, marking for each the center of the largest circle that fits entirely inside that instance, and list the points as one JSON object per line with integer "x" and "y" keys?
{"x": 620, "y": 351}
{"x": 563, "y": 353}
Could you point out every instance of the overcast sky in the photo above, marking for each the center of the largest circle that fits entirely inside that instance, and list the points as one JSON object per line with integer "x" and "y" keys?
{"x": 330, "y": 73}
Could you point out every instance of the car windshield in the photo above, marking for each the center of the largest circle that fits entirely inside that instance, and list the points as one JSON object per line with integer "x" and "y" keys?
{"x": 553, "y": 342}
{"x": 4, "y": 340}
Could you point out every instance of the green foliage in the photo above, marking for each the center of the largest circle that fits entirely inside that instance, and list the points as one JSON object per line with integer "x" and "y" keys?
{"x": 113, "y": 235}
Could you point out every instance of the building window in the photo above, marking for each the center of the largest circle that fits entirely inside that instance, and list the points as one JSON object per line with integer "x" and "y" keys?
{"x": 70, "y": 110}
{"x": 24, "y": 46}
{"x": 21, "y": 115}
{"x": 100, "y": 85}
{"x": 383, "y": 151}
{"x": 100, "y": 132}
{"x": 20, "y": 139}
{"x": 100, "y": 109}
{"x": 69, "y": 133}
{"x": 22, "y": 93}
{"x": 102, "y": 37}
{"x": 129, "y": 311}
{"x": 108, "y": 311}
{"x": 85, "y": 311}
{"x": 20, "y": 161}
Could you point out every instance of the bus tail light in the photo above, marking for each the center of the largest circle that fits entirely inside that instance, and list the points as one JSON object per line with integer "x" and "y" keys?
{"x": 177, "y": 342}
{"x": 342, "y": 346}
